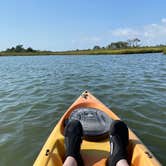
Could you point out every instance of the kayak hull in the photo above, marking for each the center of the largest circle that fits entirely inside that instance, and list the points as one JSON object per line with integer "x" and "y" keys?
{"x": 93, "y": 153}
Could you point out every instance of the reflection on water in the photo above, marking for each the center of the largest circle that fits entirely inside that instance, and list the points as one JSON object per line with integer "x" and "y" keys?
{"x": 36, "y": 91}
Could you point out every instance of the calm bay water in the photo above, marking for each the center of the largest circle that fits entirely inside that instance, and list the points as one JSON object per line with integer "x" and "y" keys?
{"x": 36, "y": 91}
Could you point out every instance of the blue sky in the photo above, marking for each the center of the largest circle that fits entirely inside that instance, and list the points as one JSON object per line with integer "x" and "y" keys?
{"x": 64, "y": 25}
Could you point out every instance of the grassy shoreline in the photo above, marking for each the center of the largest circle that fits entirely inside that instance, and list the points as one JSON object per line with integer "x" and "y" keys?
{"x": 140, "y": 50}
{"x": 164, "y": 51}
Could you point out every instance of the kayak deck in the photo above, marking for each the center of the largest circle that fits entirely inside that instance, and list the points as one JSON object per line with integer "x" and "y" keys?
{"x": 93, "y": 153}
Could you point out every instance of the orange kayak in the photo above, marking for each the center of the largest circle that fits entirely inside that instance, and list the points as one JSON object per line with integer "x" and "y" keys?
{"x": 96, "y": 119}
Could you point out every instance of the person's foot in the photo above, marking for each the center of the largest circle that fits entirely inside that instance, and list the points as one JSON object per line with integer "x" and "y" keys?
{"x": 119, "y": 139}
{"x": 73, "y": 140}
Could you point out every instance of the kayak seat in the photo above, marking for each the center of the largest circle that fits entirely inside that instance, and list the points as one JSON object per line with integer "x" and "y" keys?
{"x": 95, "y": 123}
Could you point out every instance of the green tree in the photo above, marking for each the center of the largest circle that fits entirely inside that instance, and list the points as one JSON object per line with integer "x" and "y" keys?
{"x": 122, "y": 44}
{"x": 130, "y": 42}
{"x": 10, "y": 49}
{"x": 136, "y": 41}
{"x": 19, "y": 48}
{"x": 133, "y": 42}
{"x": 117, "y": 45}
{"x": 96, "y": 47}
{"x": 29, "y": 49}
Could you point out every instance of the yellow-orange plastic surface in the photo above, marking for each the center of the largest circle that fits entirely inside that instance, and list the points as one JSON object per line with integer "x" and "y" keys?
{"x": 93, "y": 153}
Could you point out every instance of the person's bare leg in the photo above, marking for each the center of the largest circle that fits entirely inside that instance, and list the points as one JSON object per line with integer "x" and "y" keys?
{"x": 70, "y": 161}
{"x": 122, "y": 162}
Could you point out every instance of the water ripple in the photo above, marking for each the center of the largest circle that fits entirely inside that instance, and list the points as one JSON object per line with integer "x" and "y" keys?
{"x": 36, "y": 91}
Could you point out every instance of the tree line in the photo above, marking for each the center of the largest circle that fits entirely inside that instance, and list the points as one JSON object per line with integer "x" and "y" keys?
{"x": 121, "y": 44}
{"x": 131, "y": 43}
{"x": 20, "y": 48}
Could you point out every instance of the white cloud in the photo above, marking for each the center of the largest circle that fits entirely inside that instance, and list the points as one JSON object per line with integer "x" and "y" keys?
{"x": 154, "y": 31}
{"x": 163, "y": 20}
{"x": 149, "y": 34}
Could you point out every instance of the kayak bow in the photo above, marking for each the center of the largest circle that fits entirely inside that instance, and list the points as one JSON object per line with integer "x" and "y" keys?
{"x": 95, "y": 118}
